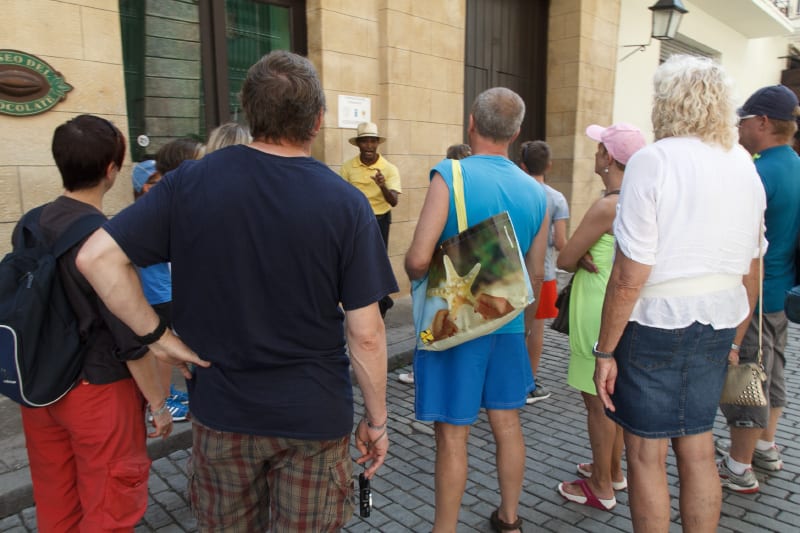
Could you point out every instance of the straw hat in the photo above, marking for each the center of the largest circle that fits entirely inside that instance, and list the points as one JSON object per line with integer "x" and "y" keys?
{"x": 366, "y": 129}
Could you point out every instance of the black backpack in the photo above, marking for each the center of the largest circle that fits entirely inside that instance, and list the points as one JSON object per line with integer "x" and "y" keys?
{"x": 41, "y": 354}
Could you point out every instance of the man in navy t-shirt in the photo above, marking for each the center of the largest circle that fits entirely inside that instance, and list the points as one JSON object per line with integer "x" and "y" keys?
{"x": 270, "y": 252}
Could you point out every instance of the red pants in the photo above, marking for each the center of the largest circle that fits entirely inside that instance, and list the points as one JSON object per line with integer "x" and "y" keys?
{"x": 88, "y": 459}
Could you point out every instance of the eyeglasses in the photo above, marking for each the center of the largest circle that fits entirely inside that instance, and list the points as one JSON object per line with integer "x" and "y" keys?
{"x": 742, "y": 119}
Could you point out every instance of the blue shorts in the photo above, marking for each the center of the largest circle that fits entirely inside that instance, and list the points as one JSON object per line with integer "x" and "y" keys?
{"x": 669, "y": 380}
{"x": 492, "y": 372}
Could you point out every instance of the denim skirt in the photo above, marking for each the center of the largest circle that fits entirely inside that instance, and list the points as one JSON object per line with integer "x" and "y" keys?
{"x": 669, "y": 380}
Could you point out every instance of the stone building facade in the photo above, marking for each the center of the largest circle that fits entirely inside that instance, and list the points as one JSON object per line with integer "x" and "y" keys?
{"x": 406, "y": 56}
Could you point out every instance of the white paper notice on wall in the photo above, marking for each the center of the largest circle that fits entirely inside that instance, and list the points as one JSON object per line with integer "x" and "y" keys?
{"x": 353, "y": 110}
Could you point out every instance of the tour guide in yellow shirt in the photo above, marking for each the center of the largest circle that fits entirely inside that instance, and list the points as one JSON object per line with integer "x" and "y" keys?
{"x": 378, "y": 179}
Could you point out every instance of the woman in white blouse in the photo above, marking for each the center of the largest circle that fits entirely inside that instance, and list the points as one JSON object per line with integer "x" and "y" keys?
{"x": 687, "y": 232}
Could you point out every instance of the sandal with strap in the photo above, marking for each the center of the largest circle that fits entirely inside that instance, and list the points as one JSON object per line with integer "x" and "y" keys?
{"x": 498, "y": 526}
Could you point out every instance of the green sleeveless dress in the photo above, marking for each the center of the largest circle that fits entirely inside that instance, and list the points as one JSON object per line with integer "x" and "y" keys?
{"x": 585, "y": 308}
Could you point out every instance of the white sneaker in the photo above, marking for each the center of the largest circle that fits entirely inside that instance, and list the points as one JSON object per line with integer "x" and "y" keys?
{"x": 408, "y": 378}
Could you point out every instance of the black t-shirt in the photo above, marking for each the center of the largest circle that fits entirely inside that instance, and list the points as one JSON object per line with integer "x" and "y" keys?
{"x": 265, "y": 252}
{"x": 112, "y": 341}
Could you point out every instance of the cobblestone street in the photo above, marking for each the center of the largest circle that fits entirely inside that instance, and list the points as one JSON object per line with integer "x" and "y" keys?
{"x": 555, "y": 433}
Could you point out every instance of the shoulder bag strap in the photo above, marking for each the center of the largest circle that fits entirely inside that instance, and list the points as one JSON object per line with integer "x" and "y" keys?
{"x": 760, "y": 296}
{"x": 458, "y": 196}
{"x": 76, "y": 232}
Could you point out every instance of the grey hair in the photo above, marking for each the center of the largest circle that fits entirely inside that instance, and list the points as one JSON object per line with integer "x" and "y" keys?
{"x": 498, "y": 113}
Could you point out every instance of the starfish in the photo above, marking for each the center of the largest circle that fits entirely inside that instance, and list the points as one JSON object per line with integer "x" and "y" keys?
{"x": 456, "y": 290}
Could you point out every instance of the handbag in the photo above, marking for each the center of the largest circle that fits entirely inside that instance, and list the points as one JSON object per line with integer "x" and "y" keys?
{"x": 744, "y": 383}
{"x": 561, "y": 322}
{"x": 476, "y": 283}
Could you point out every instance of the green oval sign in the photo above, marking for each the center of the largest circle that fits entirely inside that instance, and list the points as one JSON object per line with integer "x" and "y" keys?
{"x": 28, "y": 85}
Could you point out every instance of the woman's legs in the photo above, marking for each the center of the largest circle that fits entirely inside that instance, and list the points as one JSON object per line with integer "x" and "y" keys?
{"x": 701, "y": 493}
{"x": 605, "y": 438}
{"x": 647, "y": 483}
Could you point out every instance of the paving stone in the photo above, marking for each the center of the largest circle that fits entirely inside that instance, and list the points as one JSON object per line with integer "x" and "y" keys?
{"x": 11, "y": 523}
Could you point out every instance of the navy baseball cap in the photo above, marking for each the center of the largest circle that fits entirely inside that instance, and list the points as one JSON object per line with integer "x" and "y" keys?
{"x": 777, "y": 102}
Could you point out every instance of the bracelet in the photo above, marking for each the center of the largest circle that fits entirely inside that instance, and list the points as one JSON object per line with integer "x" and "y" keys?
{"x": 161, "y": 410}
{"x": 379, "y": 438}
{"x": 735, "y": 347}
{"x": 375, "y": 427}
{"x": 601, "y": 355}
{"x": 156, "y": 334}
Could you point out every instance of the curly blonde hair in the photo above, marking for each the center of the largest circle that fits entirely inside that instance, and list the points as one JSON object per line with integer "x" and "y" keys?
{"x": 693, "y": 96}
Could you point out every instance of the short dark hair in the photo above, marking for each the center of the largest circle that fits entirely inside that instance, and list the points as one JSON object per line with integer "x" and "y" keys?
{"x": 171, "y": 155}
{"x": 458, "y": 151}
{"x": 282, "y": 98}
{"x": 83, "y": 147}
{"x": 536, "y": 156}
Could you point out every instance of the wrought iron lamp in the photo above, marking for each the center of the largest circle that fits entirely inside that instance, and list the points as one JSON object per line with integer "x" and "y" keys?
{"x": 667, "y": 16}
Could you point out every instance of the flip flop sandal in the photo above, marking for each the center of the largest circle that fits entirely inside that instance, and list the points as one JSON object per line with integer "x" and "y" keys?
{"x": 583, "y": 470}
{"x": 588, "y": 498}
{"x": 498, "y": 526}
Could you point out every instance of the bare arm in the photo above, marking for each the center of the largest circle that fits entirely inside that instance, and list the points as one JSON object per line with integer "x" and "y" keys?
{"x": 624, "y": 285}
{"x": 114, "y": 279}
{"x": 599, "y": 219}
{"x": 751, "y": 285}
{"x": 560, "y": 234}
{"x": 534, "y": 262}
{"x": 430, "y": 225}
{"x": 391, "y": 196}
{"x": 146, "y": 375}
{"x": 366, "y": 340}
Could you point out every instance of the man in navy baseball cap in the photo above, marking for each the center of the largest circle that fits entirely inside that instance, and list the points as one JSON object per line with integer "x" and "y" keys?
{"x": 777, "y": 102}
{"x": 767, "y": 123}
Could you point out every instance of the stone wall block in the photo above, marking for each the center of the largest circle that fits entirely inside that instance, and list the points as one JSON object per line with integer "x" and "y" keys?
{"x": 397, "y": 67}
{"x": 9, "y": 195}
{"x": 101, "y": 31}
{"x": 449, "y": 42}
{"x": 24, "y": 24}
{"x": 39, "y": 184}
{"x": 398, "y": 29}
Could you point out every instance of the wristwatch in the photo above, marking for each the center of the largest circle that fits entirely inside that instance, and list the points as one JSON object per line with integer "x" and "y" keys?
{"x": 601, "y": 355}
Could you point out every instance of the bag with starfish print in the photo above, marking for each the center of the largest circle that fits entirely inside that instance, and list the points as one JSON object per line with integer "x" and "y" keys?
{"x": 477, "y": 281}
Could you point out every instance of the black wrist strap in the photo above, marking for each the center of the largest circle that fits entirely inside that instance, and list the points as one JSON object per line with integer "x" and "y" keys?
{"x": 156, "y": 334}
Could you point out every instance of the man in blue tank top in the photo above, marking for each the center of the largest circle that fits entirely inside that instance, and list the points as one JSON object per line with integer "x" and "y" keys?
{"x": 492, "y": 371}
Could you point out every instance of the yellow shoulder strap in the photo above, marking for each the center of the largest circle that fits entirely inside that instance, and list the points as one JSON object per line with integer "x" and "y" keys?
{"x": 458, "y": 196}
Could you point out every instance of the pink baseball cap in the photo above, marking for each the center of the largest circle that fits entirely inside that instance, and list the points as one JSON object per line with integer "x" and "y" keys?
{"x": 622, "y": 140}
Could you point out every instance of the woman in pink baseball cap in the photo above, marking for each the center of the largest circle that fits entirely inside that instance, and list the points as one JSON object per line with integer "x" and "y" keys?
{"x": 590, "y": 253}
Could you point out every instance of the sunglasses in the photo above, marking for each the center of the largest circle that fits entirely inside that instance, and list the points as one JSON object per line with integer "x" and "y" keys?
{"x": 742, "y": 119}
